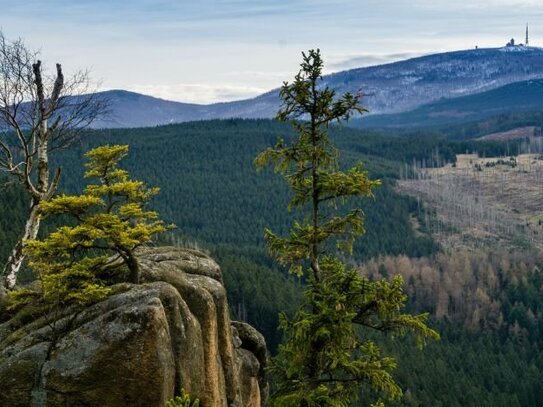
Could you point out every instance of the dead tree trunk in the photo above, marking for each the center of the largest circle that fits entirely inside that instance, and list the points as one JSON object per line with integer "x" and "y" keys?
{"x": 43, "y": 188}
{"x": 15, "y": 260}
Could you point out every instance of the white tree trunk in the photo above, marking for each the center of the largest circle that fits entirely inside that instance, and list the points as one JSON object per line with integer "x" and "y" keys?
{"x": 15, "y": 260}
{"x": 28, "y": 160}
{"x": 43, "y": 191}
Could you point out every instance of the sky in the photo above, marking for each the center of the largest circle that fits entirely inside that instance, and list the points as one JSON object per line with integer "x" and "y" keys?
{"x": 207, "y": 51}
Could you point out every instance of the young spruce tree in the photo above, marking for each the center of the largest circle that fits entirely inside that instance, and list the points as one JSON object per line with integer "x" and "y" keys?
{"x": 110, "y": 222}
{"x": 325, "y": 359}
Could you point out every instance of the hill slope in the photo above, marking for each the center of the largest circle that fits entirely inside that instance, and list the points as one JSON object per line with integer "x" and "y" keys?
{"x": 211, "y": 190}
{"x": 522, "y": 96}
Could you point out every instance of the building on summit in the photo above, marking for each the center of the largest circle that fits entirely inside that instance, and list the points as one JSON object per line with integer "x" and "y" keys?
{"x": 511, "y": 42}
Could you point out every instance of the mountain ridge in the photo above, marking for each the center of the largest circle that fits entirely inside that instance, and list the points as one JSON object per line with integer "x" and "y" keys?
{"x": 390, "y": 88}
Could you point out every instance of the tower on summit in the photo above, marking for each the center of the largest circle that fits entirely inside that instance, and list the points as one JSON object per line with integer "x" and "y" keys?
{"x": 511, "y": 44}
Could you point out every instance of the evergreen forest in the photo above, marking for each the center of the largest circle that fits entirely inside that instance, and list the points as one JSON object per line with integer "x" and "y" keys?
{"x": 487, "y": 306}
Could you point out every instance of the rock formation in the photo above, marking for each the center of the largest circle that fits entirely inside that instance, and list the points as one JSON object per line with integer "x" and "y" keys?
{"x": 139, "y": 346}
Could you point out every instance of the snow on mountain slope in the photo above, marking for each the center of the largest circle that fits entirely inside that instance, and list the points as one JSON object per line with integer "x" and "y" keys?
{"x": 390, "y": 88}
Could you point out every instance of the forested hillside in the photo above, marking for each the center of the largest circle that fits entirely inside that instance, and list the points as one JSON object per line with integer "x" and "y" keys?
{"x": 211, "y": 190}
{"x": 524, "y": 96}
{"x": 220, "y": 203}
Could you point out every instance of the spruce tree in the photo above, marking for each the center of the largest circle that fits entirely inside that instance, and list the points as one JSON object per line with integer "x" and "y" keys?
{"x": 326, "y": 358}
{"x": 109, "y": 222}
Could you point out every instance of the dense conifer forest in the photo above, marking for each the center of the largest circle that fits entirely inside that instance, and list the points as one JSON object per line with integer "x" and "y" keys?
{"x": 220, "y": 204}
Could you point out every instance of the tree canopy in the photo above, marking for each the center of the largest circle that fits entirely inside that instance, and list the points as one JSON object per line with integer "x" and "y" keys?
{"x": 109, "y": 222}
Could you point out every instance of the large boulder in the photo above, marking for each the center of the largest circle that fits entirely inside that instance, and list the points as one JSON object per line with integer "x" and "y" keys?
{"x": 140, "y": 346}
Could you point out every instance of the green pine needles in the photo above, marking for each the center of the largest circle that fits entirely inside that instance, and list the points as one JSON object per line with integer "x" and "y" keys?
{"x": 325, "y": 359}
{"x": 109, "y": 222}
{"x": 183, "y": 400}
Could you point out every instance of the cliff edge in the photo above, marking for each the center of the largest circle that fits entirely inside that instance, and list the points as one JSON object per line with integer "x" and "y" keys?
{"x": 139, "y": 346}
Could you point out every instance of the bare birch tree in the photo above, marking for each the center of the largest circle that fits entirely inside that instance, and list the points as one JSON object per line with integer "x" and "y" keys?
{"x": 39, "y": 113}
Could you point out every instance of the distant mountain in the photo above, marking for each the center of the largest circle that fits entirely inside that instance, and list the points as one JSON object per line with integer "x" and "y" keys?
{"x": 390, "y": 88}
{"x": 404, "y": 85}
{"x": 525, "y": 96}
{"x": 130, "y": 109}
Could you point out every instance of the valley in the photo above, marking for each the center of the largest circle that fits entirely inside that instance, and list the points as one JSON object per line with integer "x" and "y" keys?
{"x": 293, "y": 203}
{"x": 458, "y": 214}
{"x": 212, "y": 192}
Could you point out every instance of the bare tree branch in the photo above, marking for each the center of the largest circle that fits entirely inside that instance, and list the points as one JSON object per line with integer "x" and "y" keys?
{"x": 39, "y": 113}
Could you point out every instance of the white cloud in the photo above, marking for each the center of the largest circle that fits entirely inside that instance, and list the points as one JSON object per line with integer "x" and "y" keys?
{"x": 231, "y": 49}
{"x": 198, "y": 93}
{"x": 362, "y": 60}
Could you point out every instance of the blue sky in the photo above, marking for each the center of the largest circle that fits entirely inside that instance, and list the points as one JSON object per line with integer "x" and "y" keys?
{"x": 206, "y": 51}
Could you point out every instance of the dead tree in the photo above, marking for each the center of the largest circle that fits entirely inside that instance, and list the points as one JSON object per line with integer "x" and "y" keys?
{"x": 39, "y": 113}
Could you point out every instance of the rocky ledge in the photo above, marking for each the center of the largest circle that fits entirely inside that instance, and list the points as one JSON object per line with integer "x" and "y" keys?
{"x": 140, "y": 346}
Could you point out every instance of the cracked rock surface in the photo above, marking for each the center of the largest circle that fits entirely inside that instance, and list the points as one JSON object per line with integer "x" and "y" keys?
{"x": 140, "y": 346}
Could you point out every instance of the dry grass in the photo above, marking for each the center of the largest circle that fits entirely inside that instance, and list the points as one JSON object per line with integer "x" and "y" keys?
{"x": 480, "y": 202}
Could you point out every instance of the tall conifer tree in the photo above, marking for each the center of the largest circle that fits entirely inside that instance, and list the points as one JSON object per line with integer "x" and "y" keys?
{"x": 325, "y": 359}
